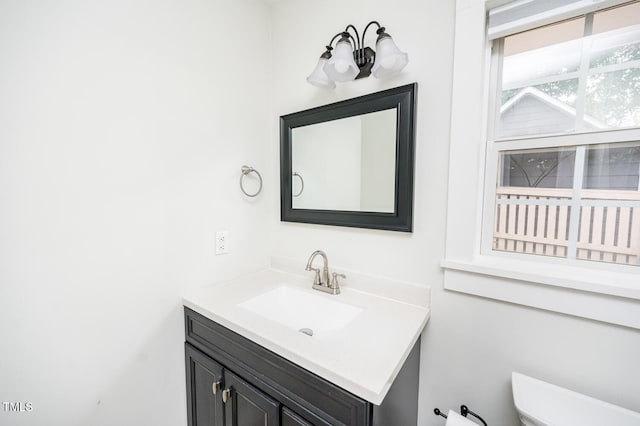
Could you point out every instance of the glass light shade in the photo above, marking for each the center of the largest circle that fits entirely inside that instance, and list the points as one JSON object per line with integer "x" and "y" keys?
{"x": 319, "y": 78}
{"x": 341, "y": 66}
{"x": 389, "y": 59}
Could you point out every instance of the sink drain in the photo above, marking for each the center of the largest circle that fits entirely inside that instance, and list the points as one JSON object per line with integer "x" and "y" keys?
{"x": 307, "y": 331}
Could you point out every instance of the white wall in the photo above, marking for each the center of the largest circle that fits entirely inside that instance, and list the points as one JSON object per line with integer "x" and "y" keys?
{"x": 123, "y": 127}
{"x": 471, "y": 344}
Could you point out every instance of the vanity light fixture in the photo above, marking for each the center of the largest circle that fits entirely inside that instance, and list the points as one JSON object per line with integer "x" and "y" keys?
{"x": 351, "y": 60}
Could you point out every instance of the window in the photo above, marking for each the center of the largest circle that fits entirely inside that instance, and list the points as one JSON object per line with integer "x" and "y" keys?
{"x": 565, "y": 144}
{"x": 545, "y": 105}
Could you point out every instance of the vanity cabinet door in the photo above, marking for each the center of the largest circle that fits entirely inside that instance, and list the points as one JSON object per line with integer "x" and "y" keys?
{"x": 204, "y": 387}
{"x": 289, "y": 418}
{"x": 247, "y": 406}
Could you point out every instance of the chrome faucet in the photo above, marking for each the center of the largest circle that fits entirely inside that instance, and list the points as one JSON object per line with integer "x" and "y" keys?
{"x": 322, "y": 283}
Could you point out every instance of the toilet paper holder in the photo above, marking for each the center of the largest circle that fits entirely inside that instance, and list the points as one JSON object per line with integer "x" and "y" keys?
{"x": 464, "y": 410}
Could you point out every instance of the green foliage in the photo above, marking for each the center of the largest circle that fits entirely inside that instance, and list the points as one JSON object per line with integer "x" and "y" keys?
{"x": 612, "y": 97}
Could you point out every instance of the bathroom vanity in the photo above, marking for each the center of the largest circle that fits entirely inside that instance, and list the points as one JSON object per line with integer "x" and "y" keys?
{"x": 247, "y": 366}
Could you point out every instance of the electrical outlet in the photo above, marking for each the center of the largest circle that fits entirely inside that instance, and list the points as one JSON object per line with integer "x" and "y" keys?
{"x": 222, "y": 242}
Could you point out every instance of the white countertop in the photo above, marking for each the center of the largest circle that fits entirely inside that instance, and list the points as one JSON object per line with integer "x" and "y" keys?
{"x": 364, "y": 357}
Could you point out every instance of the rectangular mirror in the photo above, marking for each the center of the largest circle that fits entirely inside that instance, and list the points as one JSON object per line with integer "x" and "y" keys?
{"x": 350, "y": 163}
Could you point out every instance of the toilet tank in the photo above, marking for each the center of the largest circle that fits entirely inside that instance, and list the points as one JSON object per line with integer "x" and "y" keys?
{"x": 543, "y": 404}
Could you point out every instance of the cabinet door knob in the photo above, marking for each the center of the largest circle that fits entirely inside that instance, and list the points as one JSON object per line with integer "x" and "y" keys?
{"x": 215, "y": 387}
{"x": 226, "y": 394}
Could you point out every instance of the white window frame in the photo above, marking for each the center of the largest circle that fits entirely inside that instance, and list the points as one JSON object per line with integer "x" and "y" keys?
{"x": 594, "y": 290}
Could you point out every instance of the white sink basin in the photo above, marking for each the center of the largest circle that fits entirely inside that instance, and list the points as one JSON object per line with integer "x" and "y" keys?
{"x": 298, "y": 309}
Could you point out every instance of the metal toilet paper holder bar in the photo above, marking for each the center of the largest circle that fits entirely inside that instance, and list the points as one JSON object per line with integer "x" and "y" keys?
{"x": 464, "y": 410}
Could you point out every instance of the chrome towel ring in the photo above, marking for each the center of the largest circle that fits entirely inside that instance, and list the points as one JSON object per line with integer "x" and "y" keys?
{"x": 245, "y": 171}
{"x": 301, "y": 184}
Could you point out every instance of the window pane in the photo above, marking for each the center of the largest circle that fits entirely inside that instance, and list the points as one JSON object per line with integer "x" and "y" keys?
{"x": 549, "y": 86}
{"x": 616, "y": 47}
{"x": 613, "y": 95}
{"x": 550, "y": 168}
{"x": 616, "y": 36}
{"x": 609, "y": 228}
{"x": 535, "y": 202}
{"x": 536, "y": 54}
{"x": 613, "y": 168}
{"x": 532, "y": 201}
{"x": 616, "y": 18}
{"x": 543, "y": 109}
{"x": 532, "y": 220}
{"x": 538, "y": 91}
{"x": 613, "y": 99}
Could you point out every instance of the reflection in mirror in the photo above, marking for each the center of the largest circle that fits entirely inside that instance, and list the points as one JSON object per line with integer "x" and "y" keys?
{"x": 346, "y": 164}
{"x": 351, "y": 163}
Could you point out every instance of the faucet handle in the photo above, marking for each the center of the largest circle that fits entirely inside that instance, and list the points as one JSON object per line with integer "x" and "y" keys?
{"x": 316, "y": 277}
{"x": 334, "y": 279}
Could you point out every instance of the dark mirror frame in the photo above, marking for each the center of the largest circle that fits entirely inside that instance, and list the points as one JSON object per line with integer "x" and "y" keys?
{"x": 404, "y": 99}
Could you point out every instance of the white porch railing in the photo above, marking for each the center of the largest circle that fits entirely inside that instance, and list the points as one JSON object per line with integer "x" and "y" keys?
{"x": 537, "y": 221}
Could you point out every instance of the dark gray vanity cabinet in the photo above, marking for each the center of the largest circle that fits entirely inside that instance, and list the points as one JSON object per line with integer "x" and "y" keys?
{"x": 204, "y": 379}
{"x": 247, "y": 406}
{"x": 232, "y": 381}
{"x": 289, "y": 418}
{"x": 217, "y": 397}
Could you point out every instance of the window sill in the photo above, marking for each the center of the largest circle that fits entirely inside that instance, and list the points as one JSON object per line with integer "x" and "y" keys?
{"x": 598, "y": 294}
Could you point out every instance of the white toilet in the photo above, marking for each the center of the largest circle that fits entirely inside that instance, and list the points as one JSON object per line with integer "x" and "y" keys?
{"x": 543, "y": 404}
